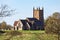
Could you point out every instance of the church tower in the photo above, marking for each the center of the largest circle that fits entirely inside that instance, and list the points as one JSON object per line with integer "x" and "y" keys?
{"x": 38, "y": 14}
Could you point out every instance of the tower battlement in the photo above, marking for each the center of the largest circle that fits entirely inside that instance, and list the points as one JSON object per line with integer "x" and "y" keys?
{"x": 37, "y": 8}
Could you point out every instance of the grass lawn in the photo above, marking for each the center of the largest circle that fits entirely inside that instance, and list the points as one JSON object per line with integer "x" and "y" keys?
{"x": 27, "y": 35}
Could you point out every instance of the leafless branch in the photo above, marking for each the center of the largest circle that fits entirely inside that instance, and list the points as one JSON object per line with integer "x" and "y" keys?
{"x": 5, "y": 11}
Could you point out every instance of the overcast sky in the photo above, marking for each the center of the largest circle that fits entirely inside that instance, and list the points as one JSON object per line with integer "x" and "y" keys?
{"x": 24, "y": 8}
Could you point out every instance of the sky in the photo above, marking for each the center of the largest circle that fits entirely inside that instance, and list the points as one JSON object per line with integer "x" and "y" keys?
{"x": 24, "y": 8}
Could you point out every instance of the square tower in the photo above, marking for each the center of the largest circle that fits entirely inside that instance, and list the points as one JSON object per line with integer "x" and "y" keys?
{"x": 38, "y": 14}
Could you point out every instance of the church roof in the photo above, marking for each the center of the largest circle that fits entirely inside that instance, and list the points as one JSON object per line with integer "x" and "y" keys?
{"x": 24, "y": 21}
{"x": 32, "y": 19}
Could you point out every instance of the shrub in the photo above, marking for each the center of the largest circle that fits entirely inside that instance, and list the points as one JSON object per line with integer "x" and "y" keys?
{"x": 52, "y": 24}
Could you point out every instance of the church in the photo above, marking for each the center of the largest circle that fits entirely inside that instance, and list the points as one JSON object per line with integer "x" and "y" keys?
{"x": 34, "y": 23}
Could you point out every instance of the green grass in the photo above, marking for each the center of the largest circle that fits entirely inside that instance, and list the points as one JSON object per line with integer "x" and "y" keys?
{"x": 28, "y": 35}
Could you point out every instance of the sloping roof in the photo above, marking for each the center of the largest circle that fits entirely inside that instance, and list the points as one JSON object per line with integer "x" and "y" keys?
{"x": 32, "y": 19}
{"x": 23, "y": 21}
{"x": 15, "y": 23}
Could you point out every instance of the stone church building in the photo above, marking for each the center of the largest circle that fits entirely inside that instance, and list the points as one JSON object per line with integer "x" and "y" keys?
{"x": 34, "y": 23}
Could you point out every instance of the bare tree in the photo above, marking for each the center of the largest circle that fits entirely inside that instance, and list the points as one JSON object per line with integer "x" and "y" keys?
{"x": 5, "y": 11}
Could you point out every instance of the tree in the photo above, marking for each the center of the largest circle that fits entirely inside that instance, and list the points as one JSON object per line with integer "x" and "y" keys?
{"x": 5, "y": 11}
{"x": 3, "y": 25}
{"x": 53, "y": 23}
